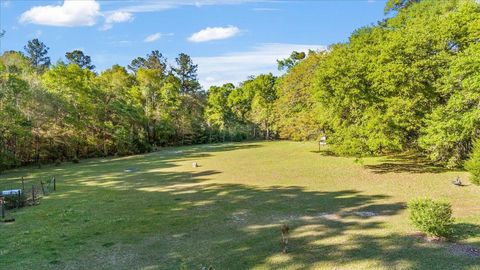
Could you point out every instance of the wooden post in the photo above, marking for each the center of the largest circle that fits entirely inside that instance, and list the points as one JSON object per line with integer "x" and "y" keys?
{"x": 54, "y": 184}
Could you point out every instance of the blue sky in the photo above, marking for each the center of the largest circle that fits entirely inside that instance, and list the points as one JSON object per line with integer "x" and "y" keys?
{"x": 228, "y": 39}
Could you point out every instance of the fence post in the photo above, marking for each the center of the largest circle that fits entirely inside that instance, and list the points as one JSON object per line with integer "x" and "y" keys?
{"x": 18, "y": 200}
{"x": 54, "y": 184}
{"x": 3, "y": 209}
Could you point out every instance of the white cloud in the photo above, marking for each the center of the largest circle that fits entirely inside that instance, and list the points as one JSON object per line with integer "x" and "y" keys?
{"x": 153, "y": 6}
{"x": 236, "y": 67}
{"x": 86, "y": 12}
{"x": 153, "y": 37}
{"x": 70, "y": 13}
{"x": 214, "y": 33}
{"x": 116, "y": 17}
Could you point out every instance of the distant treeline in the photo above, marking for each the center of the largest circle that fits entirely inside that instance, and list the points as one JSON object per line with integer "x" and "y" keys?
{"x": 411, "y": 81}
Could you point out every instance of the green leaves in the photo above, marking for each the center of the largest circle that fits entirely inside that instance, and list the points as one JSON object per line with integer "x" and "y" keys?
{"x": 473, "y": 164}
{"x": 431, "y": 217}
{"x": 410, "y": 80}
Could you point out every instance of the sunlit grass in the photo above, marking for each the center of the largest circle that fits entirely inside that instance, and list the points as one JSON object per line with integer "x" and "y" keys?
{"x": 227, "y": 212}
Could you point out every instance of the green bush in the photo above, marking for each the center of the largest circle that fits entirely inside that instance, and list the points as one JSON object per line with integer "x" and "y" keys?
{"x": 473, "y": 164}
{"x": 431, "y": 217}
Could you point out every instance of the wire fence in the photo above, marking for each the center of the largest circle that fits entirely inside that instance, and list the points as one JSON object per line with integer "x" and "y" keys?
{"x": 25, "y": 193}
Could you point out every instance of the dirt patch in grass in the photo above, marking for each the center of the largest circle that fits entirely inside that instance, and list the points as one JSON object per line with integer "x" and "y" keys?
{"x": 455, "y": 249}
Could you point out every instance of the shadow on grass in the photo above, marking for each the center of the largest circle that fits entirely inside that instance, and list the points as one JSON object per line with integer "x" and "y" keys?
{"x": 163, "y": 158}
{"x": 157, "y": 219}
{"x": 405, "y": 163}
{"x": 463, "y": 231}
{"x": 324, "y": 152}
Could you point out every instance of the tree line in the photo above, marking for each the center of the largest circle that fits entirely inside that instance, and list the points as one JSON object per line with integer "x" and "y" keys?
{"x": 67, "y": 111}
{"x": 408, "y": 82}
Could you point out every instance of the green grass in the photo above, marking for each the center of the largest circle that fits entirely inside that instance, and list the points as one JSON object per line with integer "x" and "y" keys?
{"x": 227, "y": 212}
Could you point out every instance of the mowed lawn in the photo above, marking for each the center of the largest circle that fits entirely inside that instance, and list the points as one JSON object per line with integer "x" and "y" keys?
{"x": 228, "y": 211}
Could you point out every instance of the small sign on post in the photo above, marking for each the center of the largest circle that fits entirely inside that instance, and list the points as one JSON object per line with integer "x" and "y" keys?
{"x": 322, "y": 142}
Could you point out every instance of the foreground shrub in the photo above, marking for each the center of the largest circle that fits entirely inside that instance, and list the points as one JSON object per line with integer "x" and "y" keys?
{"x": 473, "y": 164}
{"x": 431, "y": 217}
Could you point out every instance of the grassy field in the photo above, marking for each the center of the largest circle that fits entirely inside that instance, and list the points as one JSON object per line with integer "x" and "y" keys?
{"x": 228, "y": 211}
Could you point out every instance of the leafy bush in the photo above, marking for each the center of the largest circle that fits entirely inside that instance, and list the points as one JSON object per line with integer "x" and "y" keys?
{"x": 473, "y": 164}
{"x": 431, "y": 217}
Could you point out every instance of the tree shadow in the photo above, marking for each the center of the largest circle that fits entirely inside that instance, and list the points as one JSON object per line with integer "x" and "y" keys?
{"x": 158, "y": 218}
{"x": 93, "y": 167}
{"x": 462, "y": 231}
{"x": 325, "y": 152}
{"x": 405, "y": 163}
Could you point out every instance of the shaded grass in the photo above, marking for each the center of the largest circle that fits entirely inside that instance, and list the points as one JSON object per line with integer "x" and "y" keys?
{"x": 227, "y": 213}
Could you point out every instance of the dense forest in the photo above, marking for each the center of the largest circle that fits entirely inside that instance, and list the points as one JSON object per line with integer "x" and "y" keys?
{"x": 409, "y": 82}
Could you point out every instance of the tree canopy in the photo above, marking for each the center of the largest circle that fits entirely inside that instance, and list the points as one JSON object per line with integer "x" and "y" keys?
{"x": 409, "y": 82}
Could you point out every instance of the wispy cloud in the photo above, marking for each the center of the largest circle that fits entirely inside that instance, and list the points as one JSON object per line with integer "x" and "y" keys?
{"x": 116, "y": 17}
{"x": 237, "y": 66}
{"x": 70, "y": 13}
{"x": 153, "y": 6}
{"x": 5, "y": 3}
{"x": 153, "y": 37}
{"x": 214, "y": 33}
{"x": 86, "y": 12}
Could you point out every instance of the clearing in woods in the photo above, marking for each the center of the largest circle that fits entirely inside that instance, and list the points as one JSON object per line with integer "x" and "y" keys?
{"x": 157, "y": 211}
